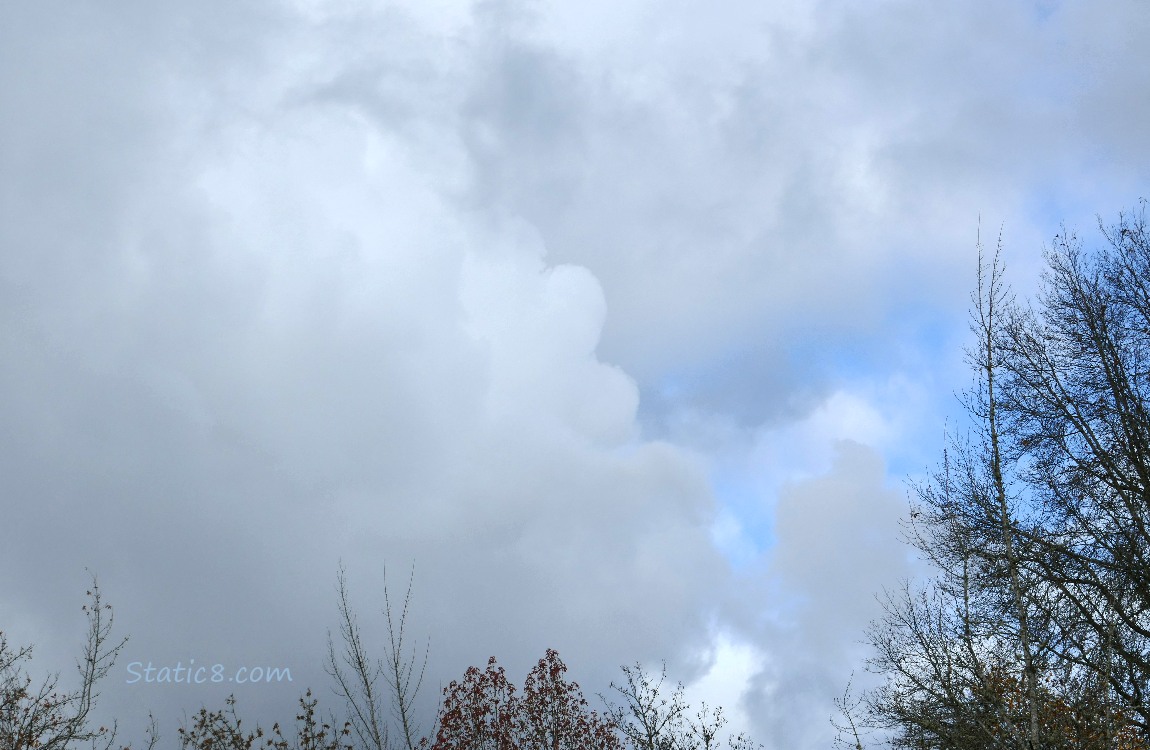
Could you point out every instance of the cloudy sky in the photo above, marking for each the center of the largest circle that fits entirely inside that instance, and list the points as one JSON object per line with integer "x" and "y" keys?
{"x": 624, "y": 323}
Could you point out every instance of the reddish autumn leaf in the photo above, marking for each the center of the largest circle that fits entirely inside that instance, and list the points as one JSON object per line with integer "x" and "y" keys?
{"x": 483, "y": 712}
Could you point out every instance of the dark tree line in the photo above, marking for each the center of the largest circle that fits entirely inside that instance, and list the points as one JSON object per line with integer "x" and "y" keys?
{"x": 1035, "y": 630}
{"x": 482, "y": 711}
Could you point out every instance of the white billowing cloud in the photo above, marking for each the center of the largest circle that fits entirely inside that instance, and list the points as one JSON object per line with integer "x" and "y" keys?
{"x": 821, "y": 176}
{"x": 751, "y": 468}
{"x": 837, "y": 545}
{"x": 804, "y": 448}
{"x": 539, "y": 328}
{"x": 810, "y": 520}
{"x": 734, "y": 664}
{"x": 300, "y": 350}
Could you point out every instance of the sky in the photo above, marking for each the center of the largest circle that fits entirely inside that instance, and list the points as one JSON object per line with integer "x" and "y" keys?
{"x": 621, "y": 327}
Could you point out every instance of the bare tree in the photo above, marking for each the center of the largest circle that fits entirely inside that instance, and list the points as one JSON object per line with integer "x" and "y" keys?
{"x": 357, "y": 676}
{"x": 944, "y": 646}
{"x": 1075, "y": 400}
{"x": 1034, "y": 632}
{"x": 223, "y": 730}
{"x": 849, "y": 732}
{"x": 46, "y": 717}
{"x": 649, "y": 719}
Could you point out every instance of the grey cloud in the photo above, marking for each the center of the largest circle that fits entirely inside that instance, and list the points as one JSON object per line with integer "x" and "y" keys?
{"x": 265, "y": 348}
{"x": 794, "y": 174}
